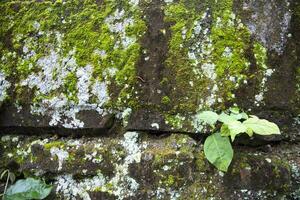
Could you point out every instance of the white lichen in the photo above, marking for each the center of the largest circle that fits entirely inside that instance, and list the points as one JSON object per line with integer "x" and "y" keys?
{"x": 60, "y": 108}
{"x": 84, "y": 76}
{"x": 155, "y": 125}
{"x": 133, "y": 149}
{"x": 124, "y": 185}
{"x": 52, "y": 73}
{"x": 198, "y": 123}
{"x": 61, "y": 155}
{"x": 71, "y": 189}
{"x": 117, "y": 23}
{"x": 260, "y": 96}
{"x": 4, "y": 86}
{"x": 269, "y": 27}
{"x": 268, "y": 160}
{"x": 120, "y": 185}
{"x": 125, "y": 116}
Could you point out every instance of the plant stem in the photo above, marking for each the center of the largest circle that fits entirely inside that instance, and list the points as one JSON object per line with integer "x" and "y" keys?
{"x": 6, "y": 184}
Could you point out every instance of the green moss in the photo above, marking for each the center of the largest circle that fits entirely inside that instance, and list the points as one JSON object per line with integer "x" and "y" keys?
{"x": 177, "y": 61}
{"x": 164, "y": 81}
{"x": 169, "y": 181}
{"x": 200, "y": 161}
{"x": 165, "y": 100}
{"x": 58, "y": 144}
{"x": 208, "y": 56}
{"x": 79, "y": 27}
{"x": 236, "y": 39}
{"x": 17, "y": 153}
{"x": 86, "y": 38}
{"x": 108, "y": 187}
{"x": 175, "y": 121}
{"x": 282, "y": 163}
{"x": 242, "y": 162}
{"x": 276, "y": 172}
{"x": 20, "y": 159}
{"x": 260, "y": 53}
{"x": 161, "y": 155}
{"x": 70, "y": 86}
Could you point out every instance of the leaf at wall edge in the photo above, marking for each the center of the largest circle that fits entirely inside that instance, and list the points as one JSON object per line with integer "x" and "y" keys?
{"x": 223, "y": 117}
{"x": 235, "y": 128}
{"x": 262, "y": 126}
{"x": 27, "y": 189}
{"x": 244, "y": 115}
{"x": 249, "y": 131}
{"x": 208, "y": 117}
{"x": 234, "y": 110}
{"x": 218, "y": 151}
{"x": 225, "y": 132}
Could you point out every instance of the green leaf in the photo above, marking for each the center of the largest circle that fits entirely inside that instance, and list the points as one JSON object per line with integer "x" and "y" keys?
{"x": 249, "y": 132}
{"x": 226, "y": 118}
{"x": 261, "y": 126}
{"x": 236, "y": 116}
{"x": 239, "y": 116}
{"x": 28, "y": 189}
{"x": 244, "y": 115}
{"x": 253, "y": 116}
{"x": 218, "y": 151}
{"x": 225, "y": 130}
{"x": 235, "y": 128}
{"x": 234, "y": 110}
{"x": 208, "y": 117}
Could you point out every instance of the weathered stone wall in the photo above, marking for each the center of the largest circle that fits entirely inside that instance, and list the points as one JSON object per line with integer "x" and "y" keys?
{"x": 110, "y": 68}
{"x": 66, "y": 61}
{"x": 141, "y": 166}
{"x": 79, "y": 64}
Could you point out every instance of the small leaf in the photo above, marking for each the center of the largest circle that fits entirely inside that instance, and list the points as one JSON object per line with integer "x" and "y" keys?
{"x": 236, "y": 116}
{"x": 235, "y": 128}
{"x": 28, "y": 189}
{"x": 244, "y": 115}
{"x": 249, "y": 132}
{"x": 253, "y": 116}
{"x": 226, "y": 118}
{"x": 208, "y": 117}
{"x": 261, "y": 126}
{"x": 225, "y": 130}
{"x": 235, "y": 110}
{"x": 239, "y": 116}
{"x": 218, "y": 151}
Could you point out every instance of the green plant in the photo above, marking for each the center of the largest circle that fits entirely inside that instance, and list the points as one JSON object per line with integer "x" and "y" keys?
{"x": 10, "y": 177}
{"x": 26, "y": 189}
{"x": 217, "y": 147}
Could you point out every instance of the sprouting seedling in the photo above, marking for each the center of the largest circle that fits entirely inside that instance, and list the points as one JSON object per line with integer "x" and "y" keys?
{"x": 217, "y": 147}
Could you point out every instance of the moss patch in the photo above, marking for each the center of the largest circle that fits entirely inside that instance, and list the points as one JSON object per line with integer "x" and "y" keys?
{"x": 75, "y": 34}
{"x": 209, "y": 56}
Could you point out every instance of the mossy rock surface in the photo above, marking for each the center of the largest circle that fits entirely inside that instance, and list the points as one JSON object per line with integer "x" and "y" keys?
{"x": 68, "y": 64}
{"x": 136, "y": 74}
{"x": 140, "y": 166}
{"x": 146, "y": 65}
